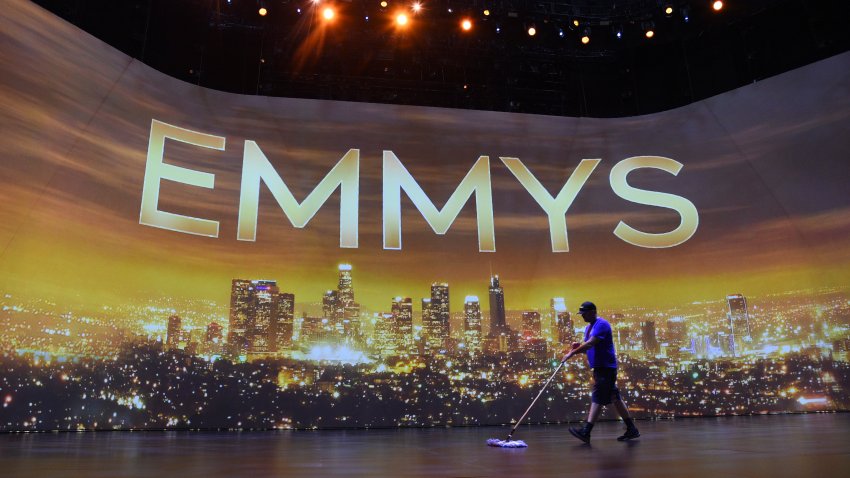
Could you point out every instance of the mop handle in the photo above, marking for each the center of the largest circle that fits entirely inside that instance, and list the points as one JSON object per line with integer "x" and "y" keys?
{"x": 535, "y": 399}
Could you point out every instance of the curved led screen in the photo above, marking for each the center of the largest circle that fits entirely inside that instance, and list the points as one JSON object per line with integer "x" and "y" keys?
{"x": 172, "y": 256}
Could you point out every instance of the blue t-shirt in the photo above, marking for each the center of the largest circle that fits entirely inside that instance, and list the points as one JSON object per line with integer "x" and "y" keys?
{"x": 602, "y": 353}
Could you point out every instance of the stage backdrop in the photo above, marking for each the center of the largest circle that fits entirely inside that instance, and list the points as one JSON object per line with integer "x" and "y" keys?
{"x": 172, "y": 256}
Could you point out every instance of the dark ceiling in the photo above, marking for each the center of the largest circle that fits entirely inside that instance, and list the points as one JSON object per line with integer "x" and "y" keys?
{"x": 361, "y": 56}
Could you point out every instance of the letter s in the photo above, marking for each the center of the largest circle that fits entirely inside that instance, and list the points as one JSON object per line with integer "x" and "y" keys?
{"x": 686, "y": 209}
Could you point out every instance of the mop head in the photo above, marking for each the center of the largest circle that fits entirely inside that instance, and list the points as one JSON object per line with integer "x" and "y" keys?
{"x": 506, "y": 443}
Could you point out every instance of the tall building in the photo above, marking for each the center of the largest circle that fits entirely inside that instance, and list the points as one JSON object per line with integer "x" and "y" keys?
{"x": 677, "y": 332}
{"x": 241, "y": 297}
{"x": 214, "y": 333}
{"x": 263, "y": 318}
{"x": 739, "y": 322}
{"x": 498, "y": 323}
{"x": 531, "y": 325}
{"x": 329, "y": 306}
{"x": 385, "y": 335}
{"x": 214, "y": 339}
{"x": 346, "y": 318}
{"x": 402, "y": 311}
{"x": 345, "y": 288}
{"x": 285, "y": 320}
{"x": 259, "y": 315}
{"x": 313, "y": 330}
{"x": 563, "y": 320}
{"x": 649, "y": 341}
{"x": 623, "y": 336}
{"x": 472, "y": 324}
{"x": 440, "y": 313}
{"x": 430, "y": 328}
{"x": 174, "y": 332}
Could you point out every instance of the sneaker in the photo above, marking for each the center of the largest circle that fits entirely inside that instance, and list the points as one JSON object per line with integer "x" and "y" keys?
{"x": 581, "y": 434}
{"x": 630, "y": 434}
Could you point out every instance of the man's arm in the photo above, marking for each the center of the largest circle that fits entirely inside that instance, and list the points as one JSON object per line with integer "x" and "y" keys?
{"x": 581, "y": 348}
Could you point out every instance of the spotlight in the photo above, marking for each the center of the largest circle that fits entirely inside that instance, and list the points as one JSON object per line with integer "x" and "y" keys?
{"x": 384, "y": 4}
{"x": 618, "y": 32}
{"x": 717, "y": 6}
{"x": 532, "y": 31}
{"x": 648, "y": 29}
{"x": 498, "y": 29}
{"x": 401, "y": 19}
{"x": 466, "y": 25}
{"x": 328, "y": 13}
{"x": 263, "y": 11}
{"x": 417, "y": 7}
{"x": 575, "y": 22}
{"x": 561, "y": 32}
{"x": 486, "y": 13}
{"x": 668, "y": 10}
{"x": 585, "y": 36}
{"x": 686, "y": 14}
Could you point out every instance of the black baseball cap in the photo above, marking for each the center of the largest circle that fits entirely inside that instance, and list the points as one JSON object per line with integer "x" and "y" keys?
{"x": 587, "y": 306}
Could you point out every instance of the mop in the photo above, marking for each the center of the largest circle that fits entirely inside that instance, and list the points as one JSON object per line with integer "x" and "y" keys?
{"x": 507, "y": 442}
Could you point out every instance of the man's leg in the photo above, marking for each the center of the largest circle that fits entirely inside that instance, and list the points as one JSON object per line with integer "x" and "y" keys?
{"x": 583, "y": 433}
{"x": 623, "y": 411}
{"x": 595, "y": 411}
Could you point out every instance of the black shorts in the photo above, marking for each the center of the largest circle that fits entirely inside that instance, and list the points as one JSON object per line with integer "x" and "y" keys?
{"x": 604, "y": 386}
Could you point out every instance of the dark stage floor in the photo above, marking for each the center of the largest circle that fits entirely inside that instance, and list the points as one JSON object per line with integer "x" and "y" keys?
{"x": 791, "y": 445}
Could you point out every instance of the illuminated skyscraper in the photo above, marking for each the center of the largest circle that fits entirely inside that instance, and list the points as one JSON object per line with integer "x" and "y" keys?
{"x": 174, "y": 333}
{"x": 623, "y": 337}
{"x": 329, "y": 306}
{"x": 263, "y": 317}
{"x": 440, "y": 313}
{"x": 214, "y": 333}
{"x": 649, "y": 341}
{"x": 313, "y": 330}
{"x": 285, "y": 319}
{"x": 259, "y": 314}
{"x": 430, "y": 328}
{"x": 347, "y": 320}
{"x": 563, "y": 320}
{"x": 213, "y": 339}
{"x": 402, "y": 312}
{"x": 739, "y": 322}
{"x": 472, "y": 324}
{"x": 498, "y": 324}
{"x": 385, "y": 335}
{"x": 241, "y": 297}
{"x": 531, "y": 326}
{"x": 345, "y": 288}
{"x": 677, "y": 332}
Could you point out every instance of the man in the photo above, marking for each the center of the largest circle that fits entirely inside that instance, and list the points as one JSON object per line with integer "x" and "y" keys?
{"x": 599, "y": 345}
